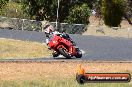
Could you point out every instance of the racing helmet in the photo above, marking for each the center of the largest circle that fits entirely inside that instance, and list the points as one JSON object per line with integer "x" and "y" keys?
{"x": 47, "y": 27}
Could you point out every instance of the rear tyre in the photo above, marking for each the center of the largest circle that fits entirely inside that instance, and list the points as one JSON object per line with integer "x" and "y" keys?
{"x": 64, "y": 53}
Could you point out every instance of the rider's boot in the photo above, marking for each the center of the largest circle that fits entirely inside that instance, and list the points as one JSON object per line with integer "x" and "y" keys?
{"x": 48, "y": 46}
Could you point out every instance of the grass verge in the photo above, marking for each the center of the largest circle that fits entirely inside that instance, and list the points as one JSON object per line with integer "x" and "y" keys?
{"x": 57, "y": 74}
{"x": 10, "y": 48}
{"x": 59, "y": 83}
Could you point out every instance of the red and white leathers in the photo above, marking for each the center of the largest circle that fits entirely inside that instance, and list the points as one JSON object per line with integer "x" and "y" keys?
{"x": 49, "y": 29}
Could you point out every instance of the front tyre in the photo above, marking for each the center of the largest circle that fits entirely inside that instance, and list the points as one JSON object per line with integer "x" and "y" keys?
{"x": 64, "y": 52}
{"x": 79, "y": 54}
{"x": 55, "y": 54}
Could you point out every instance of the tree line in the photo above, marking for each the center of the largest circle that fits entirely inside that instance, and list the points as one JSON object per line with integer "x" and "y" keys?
{"x": 76, "y": 11}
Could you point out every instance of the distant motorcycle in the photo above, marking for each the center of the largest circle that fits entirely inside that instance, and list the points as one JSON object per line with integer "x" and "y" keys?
{"x": 62, "y": 44}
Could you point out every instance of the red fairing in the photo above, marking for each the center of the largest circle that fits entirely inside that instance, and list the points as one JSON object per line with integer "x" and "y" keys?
{"x": 57, "y": 40}
{"x": 54, "y": 42}
{"x": 63, "y": 46}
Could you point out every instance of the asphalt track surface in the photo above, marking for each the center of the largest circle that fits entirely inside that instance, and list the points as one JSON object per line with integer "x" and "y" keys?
{"x": 95, "y": 48}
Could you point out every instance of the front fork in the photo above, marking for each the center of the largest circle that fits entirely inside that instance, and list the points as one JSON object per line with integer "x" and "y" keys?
{"x": 72, "y": 50}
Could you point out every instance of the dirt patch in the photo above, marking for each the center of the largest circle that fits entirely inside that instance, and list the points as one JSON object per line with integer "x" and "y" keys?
{"x": 5, "y": 25}
{"x": 98, "y": 28}
{"x": 31, "y": 71}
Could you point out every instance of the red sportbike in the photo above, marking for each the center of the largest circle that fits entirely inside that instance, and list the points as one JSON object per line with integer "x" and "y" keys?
{"x": 62, "y": 44}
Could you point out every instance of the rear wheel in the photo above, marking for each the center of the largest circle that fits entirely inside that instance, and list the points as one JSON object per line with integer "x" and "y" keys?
{"x": 64, "y": 52}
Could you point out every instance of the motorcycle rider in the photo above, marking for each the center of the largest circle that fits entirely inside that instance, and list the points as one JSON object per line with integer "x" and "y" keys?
{"x": 48, "y": 29}
{"x": 50, "y": 32}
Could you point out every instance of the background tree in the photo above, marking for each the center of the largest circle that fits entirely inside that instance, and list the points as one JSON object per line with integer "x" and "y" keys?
{"x": 13, "y": 9}
{"x": 46, "y": 10}
{"x": 99, "y": 6}
{"x": 3, "y": 3}
{"x": 39, "y": 9}
{"x": 112, "y": 11}
{"x": 71, "y": 11}
{"x": 128, "y": 11}
{"x": 79, "y": 14}
{"x": 66, "y": 6}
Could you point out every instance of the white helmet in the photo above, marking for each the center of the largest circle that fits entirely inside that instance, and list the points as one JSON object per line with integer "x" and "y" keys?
{"x": 47, "y": 27}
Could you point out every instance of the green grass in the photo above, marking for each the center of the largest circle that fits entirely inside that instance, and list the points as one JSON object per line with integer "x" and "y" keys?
{"x": 59, "y": 83}
{"x": 22, "y": 49}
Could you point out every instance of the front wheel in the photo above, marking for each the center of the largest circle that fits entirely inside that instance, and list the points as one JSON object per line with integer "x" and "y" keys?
{"x": 79, "y": 54}
{"x": 55, "y": 54}
{"x": 64, "y": 52}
